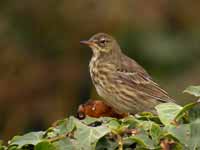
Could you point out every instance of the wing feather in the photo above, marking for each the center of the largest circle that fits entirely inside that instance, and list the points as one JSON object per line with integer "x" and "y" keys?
{"x": 144, "y": 85}
{"x": 137, "y": 78}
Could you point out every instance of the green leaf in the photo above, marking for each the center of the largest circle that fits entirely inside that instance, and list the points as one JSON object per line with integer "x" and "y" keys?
{"x": 145, "y": 125}
{"x": 106, "y": 144}
{"x": 45, "y": 146}
{"x": 87, "y": 137}
{"x": 185, "y": 109}
{"x": 13, "y": 147}
{"x": 130, "y": 122}
{"x": 63, "y": 127}
{"x": 32, "y": 138}
{"x": 153, "y": 129}
{"x": 193, "y": 90}
{"x": 148, "y": 116}
{"x": 194, "y": 113}
{"x": 155, "y": 133}
{"x": 65, "y": 144}
{"x": 89, "y": 120}
{"x": 181, "y": 132}
{"x": 186, "y": 134}
{"x": 167, "y": 112}
{"x": 114, "y": 124}
{"x": 2, "y": 147}
{"x": 66, "y": 126}
{"x": 195, "y": 134}
{"x": 142, "y": 139}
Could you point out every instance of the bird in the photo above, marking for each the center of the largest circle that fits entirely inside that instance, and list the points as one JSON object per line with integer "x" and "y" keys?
{"x": 123, "y": 84}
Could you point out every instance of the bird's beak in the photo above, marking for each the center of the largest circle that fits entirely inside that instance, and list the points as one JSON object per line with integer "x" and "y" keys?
{"x": 89, "y": 43}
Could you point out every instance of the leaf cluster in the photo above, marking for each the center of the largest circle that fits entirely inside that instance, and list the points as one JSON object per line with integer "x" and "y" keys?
{"x": 174, "y": 127}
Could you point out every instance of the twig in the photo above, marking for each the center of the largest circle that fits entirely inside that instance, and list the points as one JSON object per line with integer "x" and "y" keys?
{"x": 120, "y": 142}
{"x": 59, "y": 137}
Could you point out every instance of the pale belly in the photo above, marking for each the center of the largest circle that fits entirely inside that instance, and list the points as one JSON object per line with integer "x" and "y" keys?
{"x": 121, "y": 105}
{"x": 112, "y": 99}
{"x": 108, "y": 97}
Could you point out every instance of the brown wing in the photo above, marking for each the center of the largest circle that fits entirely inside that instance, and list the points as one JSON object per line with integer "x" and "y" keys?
{"x": 132, "y": 66}
{"x": 136, "y": 77}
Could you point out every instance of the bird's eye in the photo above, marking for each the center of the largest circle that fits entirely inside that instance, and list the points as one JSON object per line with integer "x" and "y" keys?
{"x": 102, "y": 41}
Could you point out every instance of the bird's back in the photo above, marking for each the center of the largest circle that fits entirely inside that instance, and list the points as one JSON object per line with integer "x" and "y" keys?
{"x": 143, "y": 79}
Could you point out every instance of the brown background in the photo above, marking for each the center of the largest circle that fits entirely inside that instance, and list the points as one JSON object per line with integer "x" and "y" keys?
{"x": 44, "y": 70}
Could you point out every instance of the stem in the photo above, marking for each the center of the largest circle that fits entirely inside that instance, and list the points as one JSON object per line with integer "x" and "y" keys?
{"x": 59, "y": 137}
{"x": 120, "y": 142}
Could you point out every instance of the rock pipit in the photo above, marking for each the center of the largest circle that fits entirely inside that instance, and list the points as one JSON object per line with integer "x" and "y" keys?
{"x": 121, "y": 81}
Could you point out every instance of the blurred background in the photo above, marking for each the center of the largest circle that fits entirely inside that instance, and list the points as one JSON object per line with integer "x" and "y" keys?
{"x": 44, "y": 70}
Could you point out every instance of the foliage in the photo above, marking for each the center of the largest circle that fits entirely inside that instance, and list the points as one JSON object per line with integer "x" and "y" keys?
{"x": 193, "y": 90}
{"x": 174, "y": 127}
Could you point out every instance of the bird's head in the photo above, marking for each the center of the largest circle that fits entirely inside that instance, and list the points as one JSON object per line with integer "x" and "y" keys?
{"x": 102, "y": 43}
